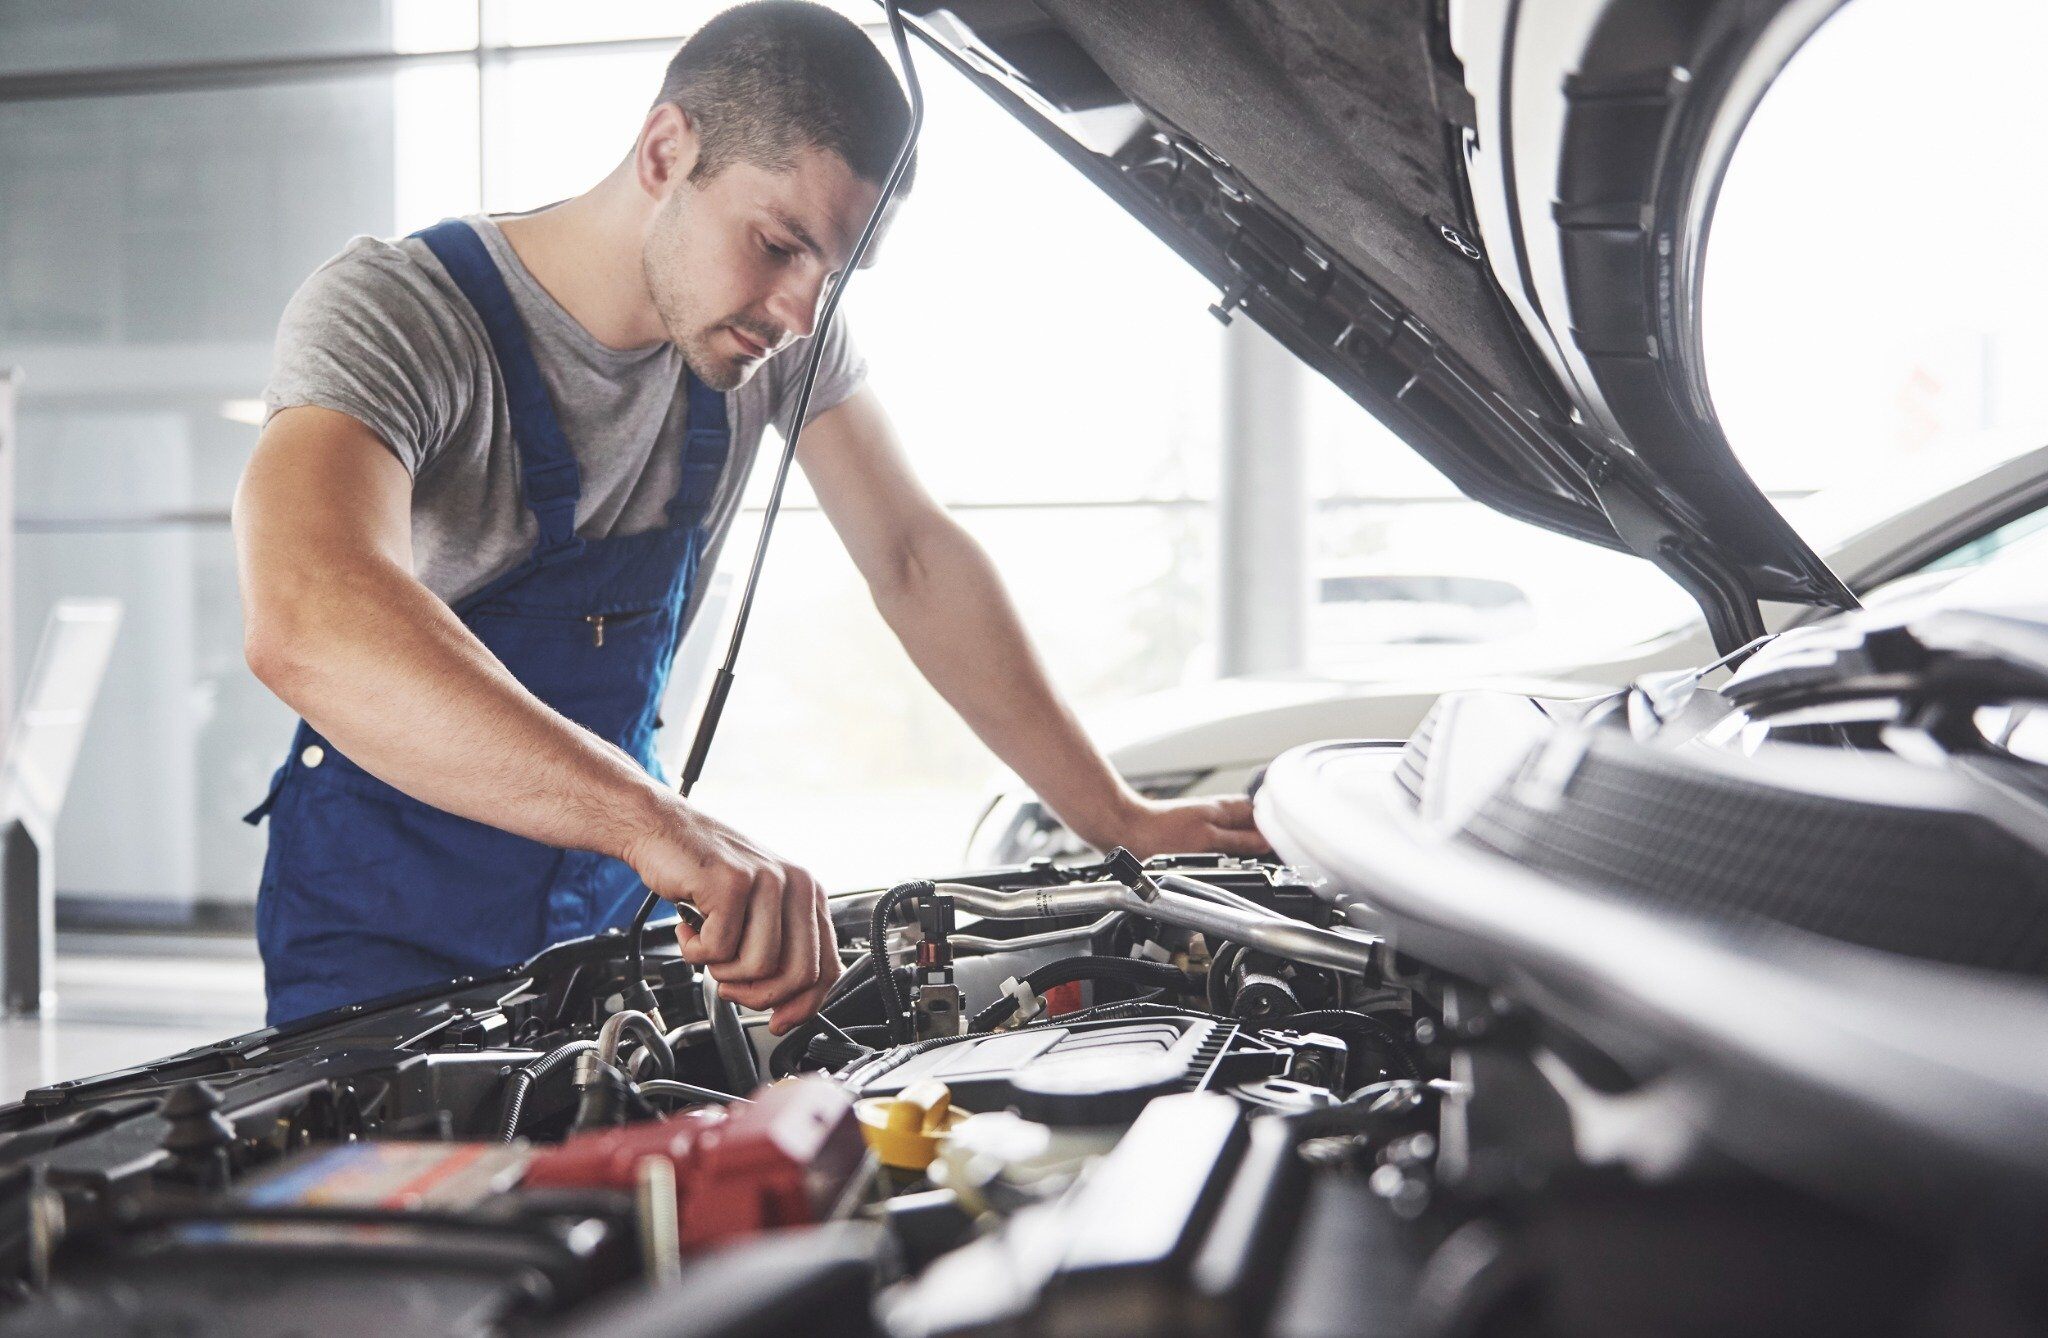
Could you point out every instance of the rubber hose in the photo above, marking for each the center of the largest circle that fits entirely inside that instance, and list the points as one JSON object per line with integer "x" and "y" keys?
{"x": 612, "y": 1035}
{"x": 686, "y": 1035}
{"x": 608, "y": 1098}
{"x": 735, "y": 1051}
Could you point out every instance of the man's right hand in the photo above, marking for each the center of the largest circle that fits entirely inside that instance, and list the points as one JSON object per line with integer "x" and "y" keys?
{"x": 767, "y": 935}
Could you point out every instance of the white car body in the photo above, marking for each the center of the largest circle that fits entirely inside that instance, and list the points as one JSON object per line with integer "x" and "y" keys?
{"x": 1215, "y": 737}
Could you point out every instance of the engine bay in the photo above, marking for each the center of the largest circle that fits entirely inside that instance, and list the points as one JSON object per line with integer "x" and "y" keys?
{"x": 518, "y": 1153}
{"x": 1499, "y": 1052}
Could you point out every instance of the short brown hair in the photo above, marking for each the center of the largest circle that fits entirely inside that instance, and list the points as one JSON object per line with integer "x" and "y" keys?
{"x": 762, "y": 82}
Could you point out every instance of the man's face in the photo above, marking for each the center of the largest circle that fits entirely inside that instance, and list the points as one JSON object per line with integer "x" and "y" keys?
{"x": 737, "y": 265}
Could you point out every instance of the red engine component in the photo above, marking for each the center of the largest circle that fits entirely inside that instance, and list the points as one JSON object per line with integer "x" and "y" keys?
{"x": 782, "y": 1160}
{"x": 608, "y": 1158}
{"x": 1063, "y": 999}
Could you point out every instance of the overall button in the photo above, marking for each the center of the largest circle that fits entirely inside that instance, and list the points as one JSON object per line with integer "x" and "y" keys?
{"x": 312, "y": 755}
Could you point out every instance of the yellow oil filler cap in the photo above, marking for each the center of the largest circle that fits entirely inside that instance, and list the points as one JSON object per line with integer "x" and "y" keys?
{"x": 905, "y": 1129}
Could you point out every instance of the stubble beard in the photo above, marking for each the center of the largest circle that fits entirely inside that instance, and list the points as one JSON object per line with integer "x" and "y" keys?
{"x": 713, "y": 369}
{"x": 686, "y": 328}
{"x": 693, "y": 339}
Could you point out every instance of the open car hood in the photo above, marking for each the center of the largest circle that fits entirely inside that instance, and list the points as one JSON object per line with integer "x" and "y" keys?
{"x": 1484, "y": 220}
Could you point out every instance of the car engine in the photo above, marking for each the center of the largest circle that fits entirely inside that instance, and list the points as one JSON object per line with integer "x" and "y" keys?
{"x": 1683, "y": 1011}
{"x": 518, "y": 1153}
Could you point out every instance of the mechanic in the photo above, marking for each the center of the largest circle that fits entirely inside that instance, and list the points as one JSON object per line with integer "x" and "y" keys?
{"x": 499, "y": 456}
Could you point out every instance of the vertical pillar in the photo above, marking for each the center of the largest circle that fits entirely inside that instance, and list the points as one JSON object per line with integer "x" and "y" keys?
{"x": 28, "y": 919}
{"x": 10, "y": 384}
{"x": 27, "y": 938}
{"x": 1262, "y": 508}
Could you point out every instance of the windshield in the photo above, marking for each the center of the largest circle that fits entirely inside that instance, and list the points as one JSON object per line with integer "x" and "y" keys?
{"x": 1863, "y": 357}
{"x": 1529, "y": 597}
{"x": 1873, "y": 311}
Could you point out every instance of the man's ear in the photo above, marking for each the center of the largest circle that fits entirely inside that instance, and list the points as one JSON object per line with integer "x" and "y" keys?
{"x": 666, "y": 152}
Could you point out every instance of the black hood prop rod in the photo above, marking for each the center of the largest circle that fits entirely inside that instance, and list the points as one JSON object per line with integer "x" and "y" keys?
{"x": 638, "y": 995}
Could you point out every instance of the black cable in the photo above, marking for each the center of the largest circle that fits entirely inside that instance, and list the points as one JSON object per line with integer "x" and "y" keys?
{"x": 860, "y": 993}
{"x": 784, "y": 1058}
{"x": 831, "y": 1052}
{"x": 895, "y": 1000}
{"x": 721, "y": 684}
{"x": 1122, "y": 970}
{"x": 848, "y": 982}
{"x": 794, "y": 1047}
{"x": 829, "y": 1025}
{"x": 523, "y": 1081}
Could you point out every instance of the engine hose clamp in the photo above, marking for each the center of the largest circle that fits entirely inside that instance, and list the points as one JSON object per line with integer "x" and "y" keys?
{"x": 1028, "y": 1003}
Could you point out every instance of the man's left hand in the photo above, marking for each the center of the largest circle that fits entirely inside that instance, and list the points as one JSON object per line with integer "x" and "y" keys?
{"x": 1189, "y": 826}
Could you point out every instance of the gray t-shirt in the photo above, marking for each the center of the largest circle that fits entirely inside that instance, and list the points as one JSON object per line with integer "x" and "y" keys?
{"x": 382, "y": 334}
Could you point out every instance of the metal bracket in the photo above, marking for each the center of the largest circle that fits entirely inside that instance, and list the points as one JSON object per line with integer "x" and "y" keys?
{"x": 936, "y": 1005}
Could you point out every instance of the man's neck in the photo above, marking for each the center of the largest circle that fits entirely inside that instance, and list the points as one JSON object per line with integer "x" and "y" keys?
{"x": 585, "y": 252}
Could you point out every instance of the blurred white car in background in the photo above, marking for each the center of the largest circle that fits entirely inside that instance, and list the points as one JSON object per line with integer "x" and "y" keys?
{"x": 1885, "y": 537}
{"x": 1357, "y": 611}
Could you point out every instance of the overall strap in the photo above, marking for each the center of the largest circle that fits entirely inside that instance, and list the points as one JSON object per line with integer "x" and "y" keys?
{"x": 707, "y": 441}
{"x": 547, "y": 466}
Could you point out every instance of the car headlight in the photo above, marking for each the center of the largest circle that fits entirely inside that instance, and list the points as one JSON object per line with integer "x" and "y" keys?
{"x": 1019, "y": 828}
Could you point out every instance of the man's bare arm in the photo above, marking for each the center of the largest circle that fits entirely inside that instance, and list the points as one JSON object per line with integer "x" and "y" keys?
{"x": 946, "y": 603}
{"x": 336, "y": 624}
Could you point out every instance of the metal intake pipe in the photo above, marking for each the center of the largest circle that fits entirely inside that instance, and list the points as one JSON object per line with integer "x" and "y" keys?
{"x": 1255, "y": 928}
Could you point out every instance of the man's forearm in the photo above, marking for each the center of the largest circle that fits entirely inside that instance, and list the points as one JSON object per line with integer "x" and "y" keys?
{"x": 951, "y": 612}
{"x": 383, "y": 668}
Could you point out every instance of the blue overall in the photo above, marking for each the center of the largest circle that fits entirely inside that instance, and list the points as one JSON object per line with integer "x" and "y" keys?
{"x": 367, "y": 891}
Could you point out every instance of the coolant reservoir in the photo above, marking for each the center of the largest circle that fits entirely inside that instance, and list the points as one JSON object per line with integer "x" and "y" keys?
{"x": 999, "y": 1154}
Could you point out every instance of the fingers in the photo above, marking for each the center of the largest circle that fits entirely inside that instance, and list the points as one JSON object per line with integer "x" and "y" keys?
{"x": 796, "y": 972}
{"x": 1222, "y": 825}
{"x": 798, "y": 969}
{"x": 725, "y": 906}
{"x": 760, "y": 956}
{"x": 802, "y": 979}
{"x": 1234, "y": 811}
{"x": 805, "y": 1005}
{"x": 1231, "y": 830}
{"x": 1237, "y": 841}
{"x": 829, "y": 969}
